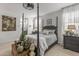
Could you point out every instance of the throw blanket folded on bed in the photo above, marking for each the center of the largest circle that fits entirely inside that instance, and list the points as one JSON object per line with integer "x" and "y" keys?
{"x": 42, "y": 42}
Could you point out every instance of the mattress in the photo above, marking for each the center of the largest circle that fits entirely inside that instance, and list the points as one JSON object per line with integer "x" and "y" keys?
{"x": 50, "y": 39}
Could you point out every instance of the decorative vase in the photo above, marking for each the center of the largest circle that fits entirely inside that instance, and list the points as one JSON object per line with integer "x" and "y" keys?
{"x": 32, "y": 47}
{"x": 32, "y": 53}
{"x": 19, "y": 48}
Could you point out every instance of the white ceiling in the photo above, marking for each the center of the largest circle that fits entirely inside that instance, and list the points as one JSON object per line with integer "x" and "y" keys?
{"x": 44, "y": 8}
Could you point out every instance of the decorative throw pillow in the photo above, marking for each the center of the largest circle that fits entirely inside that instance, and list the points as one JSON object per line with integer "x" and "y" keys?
{"x": 51, "y": 31}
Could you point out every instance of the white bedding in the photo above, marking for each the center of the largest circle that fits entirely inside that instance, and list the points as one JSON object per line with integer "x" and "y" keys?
{"x": 50, "y": 39}
{"x": 45, "y": 41}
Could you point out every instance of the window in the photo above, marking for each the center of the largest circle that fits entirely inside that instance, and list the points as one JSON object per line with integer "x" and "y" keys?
{"x": 71, "y": 17}
{"x": 25, "y": 23}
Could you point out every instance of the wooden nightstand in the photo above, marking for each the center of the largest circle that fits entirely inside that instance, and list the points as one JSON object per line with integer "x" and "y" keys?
{"x": 71, "y": 42}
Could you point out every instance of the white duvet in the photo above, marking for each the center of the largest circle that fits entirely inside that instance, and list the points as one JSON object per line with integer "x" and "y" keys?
{"x": 44, "y": 41}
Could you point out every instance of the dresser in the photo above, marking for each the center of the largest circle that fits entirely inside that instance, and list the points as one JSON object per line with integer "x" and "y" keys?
{"x": 71, "y": 43}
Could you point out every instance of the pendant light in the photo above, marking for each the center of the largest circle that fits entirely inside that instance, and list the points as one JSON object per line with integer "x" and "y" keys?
{"x": 28, "y": 6}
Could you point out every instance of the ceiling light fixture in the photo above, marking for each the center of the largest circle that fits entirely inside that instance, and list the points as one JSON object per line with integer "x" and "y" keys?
{"x": 28, "y": 6}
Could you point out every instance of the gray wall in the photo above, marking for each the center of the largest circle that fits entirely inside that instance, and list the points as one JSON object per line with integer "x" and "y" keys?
{"x": 8, "y": 36}
{"x": 53, "y": 16}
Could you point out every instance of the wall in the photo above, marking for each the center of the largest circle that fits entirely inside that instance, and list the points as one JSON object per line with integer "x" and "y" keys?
{"x": 9, "y": 36}
{"x": 53, "y": 16}
{"x": 16, "y": 10}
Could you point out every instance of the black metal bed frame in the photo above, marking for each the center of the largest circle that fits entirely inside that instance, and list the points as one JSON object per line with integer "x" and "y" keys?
{"x": 56, "y": 32}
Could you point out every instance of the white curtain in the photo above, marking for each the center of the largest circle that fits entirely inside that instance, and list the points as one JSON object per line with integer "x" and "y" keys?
{"x": 71, "y": 16}
{"x": 35, "y": 24}
{"x": 25, "y": 24}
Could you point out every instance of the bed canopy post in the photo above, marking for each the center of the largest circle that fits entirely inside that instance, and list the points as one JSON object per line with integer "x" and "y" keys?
{"x": 38, "y": 49}
{"x": 22, "y": 22}
{"x": 57, "y": 28}
{"x": 22, "y": 36}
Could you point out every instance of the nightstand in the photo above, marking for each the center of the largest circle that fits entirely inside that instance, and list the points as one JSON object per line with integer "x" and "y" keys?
{"x": 71, "y": 42}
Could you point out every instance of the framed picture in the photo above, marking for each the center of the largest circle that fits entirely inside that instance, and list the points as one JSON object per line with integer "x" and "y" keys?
{"x": 8, "y": 23}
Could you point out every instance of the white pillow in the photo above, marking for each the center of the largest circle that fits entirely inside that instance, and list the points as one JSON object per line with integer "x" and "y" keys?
{"x": 48, "y": 31}
{"x": 45, "y": 32}
{"x": 51, "y": 31}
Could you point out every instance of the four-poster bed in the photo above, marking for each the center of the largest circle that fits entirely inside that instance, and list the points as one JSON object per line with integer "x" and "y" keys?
{"x": 30, "y": 6}
{"x": 46, "y": 40}
{"x": 56, "y": 32}
{"x": 42, "y": 40}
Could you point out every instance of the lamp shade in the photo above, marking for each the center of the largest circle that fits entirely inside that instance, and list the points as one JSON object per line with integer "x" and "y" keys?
{"x": 71, "y": 27}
